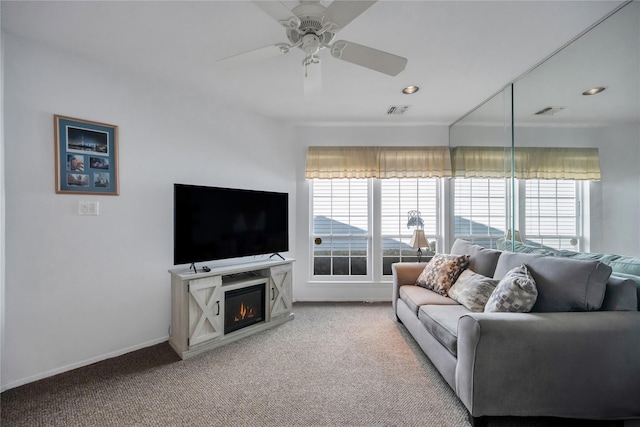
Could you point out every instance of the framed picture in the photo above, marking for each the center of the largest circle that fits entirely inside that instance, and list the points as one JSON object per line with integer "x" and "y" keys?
{"x": 86, "y": 157}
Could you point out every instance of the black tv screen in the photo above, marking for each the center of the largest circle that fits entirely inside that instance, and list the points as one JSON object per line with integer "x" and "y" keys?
{"x": 212, "y": 223}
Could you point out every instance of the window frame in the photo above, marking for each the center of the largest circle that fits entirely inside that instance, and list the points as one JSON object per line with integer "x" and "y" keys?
{"x": 581, "y": 188}
{"x": 368, "y": 236}
{"x": 480, "y": 238}
{"x": 433, "y": 234}
{"x": 519, "y": 202}
{"x": 445, "y": 223}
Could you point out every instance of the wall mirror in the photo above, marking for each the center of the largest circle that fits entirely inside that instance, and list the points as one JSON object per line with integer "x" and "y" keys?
{"x": 480, "y": 146}
{"x": 591, "y": 142}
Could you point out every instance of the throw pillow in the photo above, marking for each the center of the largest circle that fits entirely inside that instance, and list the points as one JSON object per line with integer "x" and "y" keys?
{"x": 472, "y": 290}
{"x": 442, "y": 271}
{"x": 515, "y": 293}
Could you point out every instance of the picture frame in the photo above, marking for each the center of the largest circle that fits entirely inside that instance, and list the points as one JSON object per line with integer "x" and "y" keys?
{"x": 86, "y": 157}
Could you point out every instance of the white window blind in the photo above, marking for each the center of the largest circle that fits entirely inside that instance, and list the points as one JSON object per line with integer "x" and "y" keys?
{"x": 340, "y": 227}
{"x": 480, "y": 213}
{"x": 398, "y": 197}
{"x": 551, "y": 213}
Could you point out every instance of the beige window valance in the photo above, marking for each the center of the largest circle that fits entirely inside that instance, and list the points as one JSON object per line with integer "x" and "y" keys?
{"x": 481, "y": 162}
{"x": 459, "y": 162}
{"x": 415, "y": 162}
{"x": 529, "y": 162}
{"x": 378, "y": 162}
{"x": 558, "y": 163}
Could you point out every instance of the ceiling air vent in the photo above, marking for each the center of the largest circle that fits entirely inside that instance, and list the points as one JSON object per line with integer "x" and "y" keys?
{"x": 549, "y": 111}
{"x": 396, "y": 110}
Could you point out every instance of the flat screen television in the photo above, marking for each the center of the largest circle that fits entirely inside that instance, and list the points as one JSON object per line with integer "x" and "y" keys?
{"x": 213, "y": 223}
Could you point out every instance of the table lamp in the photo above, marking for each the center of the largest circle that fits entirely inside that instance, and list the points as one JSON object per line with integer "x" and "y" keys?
{"x": 419, "y": 241}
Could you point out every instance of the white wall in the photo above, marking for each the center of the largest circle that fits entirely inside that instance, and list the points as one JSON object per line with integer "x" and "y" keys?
{"x": 365, "y": 135}
{"x": 81, "y": 289}
{"x": 620, "y": 164}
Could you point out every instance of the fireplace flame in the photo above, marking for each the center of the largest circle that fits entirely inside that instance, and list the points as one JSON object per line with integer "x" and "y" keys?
{"x": 245, "y": 312}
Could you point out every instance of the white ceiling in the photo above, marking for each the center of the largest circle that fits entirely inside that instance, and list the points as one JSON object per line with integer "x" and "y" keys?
{"x": 459, "y": 52}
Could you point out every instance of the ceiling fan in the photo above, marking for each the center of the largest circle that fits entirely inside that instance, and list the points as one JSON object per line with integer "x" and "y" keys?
{"x": 310, "y": 26}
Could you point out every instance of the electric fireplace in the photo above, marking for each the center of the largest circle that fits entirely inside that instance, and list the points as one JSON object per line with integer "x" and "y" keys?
{"x": 213, "y": 308}
{"x": 244, "y": 307}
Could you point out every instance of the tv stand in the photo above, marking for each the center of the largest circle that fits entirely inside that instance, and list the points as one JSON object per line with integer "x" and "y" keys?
{"x": 276, "y": 253}
{"x": 198, "y": 303}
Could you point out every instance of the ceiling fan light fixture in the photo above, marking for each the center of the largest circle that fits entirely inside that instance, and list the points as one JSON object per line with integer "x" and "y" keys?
{"x": 410, "y": 89}
{"x": 594, "y": 90}
{"x": 311, "y": 26}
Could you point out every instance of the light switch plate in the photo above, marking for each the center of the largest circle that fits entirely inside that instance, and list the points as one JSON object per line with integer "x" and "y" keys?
{"x": 88, "y": 208}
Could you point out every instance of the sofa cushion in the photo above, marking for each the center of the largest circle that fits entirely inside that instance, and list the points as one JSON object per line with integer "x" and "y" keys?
{"x": 635, "y": 279}
{"x": 415, "y": 296}
{"x": 482, "y": 260}
{"x": 620, "y": 295}
{"x": 624, "y": 266}
{"x": 564, "y": 284}
{"x": 442, "y": 271}
{"x": 516, "y": 293}
{"x": 442, "y": 323}
{"x": 515, "y": 246}
{"x": 472, "y": 290}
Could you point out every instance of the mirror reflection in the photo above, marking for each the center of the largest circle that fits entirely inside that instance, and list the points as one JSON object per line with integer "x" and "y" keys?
{"x": 571, "y": 184}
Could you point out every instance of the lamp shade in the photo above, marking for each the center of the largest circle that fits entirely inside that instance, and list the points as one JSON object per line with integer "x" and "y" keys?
{"x": 418, "y": 240}
{"x": 516, "y": 236}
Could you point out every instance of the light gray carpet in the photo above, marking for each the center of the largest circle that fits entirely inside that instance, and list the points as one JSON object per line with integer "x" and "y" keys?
{"x": 335, "y": 364}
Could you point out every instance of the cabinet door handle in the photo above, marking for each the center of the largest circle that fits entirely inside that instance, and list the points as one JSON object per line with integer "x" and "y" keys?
{"x": 273, "y": 293}
{"x": 218, "y": 304}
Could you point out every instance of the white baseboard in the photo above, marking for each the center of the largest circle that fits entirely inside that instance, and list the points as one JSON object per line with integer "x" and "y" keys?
{"x": 80, "y": 364}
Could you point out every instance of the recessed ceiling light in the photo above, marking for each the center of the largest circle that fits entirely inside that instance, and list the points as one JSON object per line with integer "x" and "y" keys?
{"x": 410, "y": 89}
{"x": 594, "y": 90}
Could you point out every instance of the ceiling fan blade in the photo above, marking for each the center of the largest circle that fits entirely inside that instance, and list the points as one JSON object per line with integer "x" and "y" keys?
{"x": 252, "y": 56}
{"x": 278, "y": 11}
{"x": 312, "y": 81}
{"x": 342, "y": 12}
{"x": 368, "y": 57}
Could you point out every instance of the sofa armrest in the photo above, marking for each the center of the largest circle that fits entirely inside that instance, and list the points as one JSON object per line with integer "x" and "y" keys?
{"x": 404, "y": 273}
{"x": 575, "y": 365}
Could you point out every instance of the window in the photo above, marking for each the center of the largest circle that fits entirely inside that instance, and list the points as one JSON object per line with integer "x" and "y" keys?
{"x": 340, "y": 227}
{"x": 397, "y": 198}
{"x": 360, "y": 225}
{"x": 480, "y": 210}
{"x": 548, "y": 213}
{"x": 551, "y": 213}
{"x": 342, "y": 235}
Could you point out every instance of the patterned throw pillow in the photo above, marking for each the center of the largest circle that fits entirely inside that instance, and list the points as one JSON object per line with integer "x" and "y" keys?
{"x": 472, "y": 290}
{"x": 516, "y": 292}
{"x": 442, "y": 271}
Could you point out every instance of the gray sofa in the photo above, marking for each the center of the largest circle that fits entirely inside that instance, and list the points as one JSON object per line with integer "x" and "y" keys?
{"x": 621, "y": 266}
{"x": 575, "y": 355}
